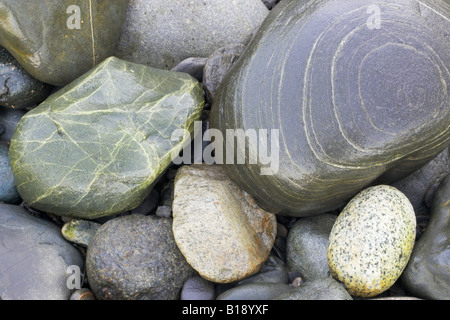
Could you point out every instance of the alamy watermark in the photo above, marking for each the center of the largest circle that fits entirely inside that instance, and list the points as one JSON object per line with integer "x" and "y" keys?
{"x": 374, "y": 21}
{"x": 255, "y": 147}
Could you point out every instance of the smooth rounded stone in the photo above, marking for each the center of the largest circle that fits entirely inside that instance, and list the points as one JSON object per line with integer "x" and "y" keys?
{"x": 149, "y": 204}
{"x": 427, "y": 274}
{"x": 164, "y": 211}
{"x": 255, "y": 291}
{"x": 18, "y": 89}
{"x": 192, "y": 66}
{"x": 217, "y": 67}
{"x": 307, "y": 245}
{"x": 162, "y": 33}
{"x": 197, "y": 288}
{"x": 421, "y": 185}
{"x": 35, "y": 257}
{"x": 220, "y": 230}
{"x": 99, "y": 145}
{"x": 66, "y": 38}
{"x": 349, "y": 101}
{"x": 135, "y": 257}
{"x": 371, "y": 241}
{"x": 9, "y": 118}
{"x": 8, "y": 190}
{"x": 274, "y": 270}
{"x": 319, "y": 289}
{"x": 82, "y": 294}
{"x": 80, "y": 231}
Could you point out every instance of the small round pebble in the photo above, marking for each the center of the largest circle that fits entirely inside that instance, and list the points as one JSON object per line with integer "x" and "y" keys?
{"x": 371, "y": 242}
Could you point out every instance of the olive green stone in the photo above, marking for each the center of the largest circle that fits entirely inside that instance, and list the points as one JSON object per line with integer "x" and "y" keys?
{"x": 58, "y": 41}
{"x": 355, "y": 96}
{"x": 96, "y": 147}
{"x": 371, "y": 241}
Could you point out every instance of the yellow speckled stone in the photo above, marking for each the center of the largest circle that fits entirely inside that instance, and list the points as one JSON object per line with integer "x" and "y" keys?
{"x": 371, "y": 241}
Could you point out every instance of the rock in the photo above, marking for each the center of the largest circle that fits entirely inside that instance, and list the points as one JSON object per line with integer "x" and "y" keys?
{"x": 163, "y": 33}
{"x": 164, "y": 211}
{"x": 217, "y": 67}
{"x": 80, "y": 231}
{"x": 18, "y": 89}
{"x": 270, "y": 3}
{"x": 35, "y": 257}
{"x": 220, "y": 230}
{"x": 307, "y": 245}
{"x": 8, "y": 190}
{"x": 371, "y": 241}
{"x": 148, "y": 205}
{"x": 349, "y": 102}
{"x": 66, "y": 38}
{"x": 319, "y": 289}
{"x": 197, "y": 288}
{"x": 273, "y": 270}
{"x": 422, "y": 184}
{"x": 255, "y": 291}
{"x": 135, "y": 257}
{"x": 96, "y": 147}
{"x": 9, "y": 118}
{"x": 192, "y": 66}
{"x": 82, "y": 294}
{"x": 427, "y": 273}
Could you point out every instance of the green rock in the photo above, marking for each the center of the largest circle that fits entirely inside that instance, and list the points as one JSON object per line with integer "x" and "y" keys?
{"x": 427, "y": 274}
{"x": 349, "y": 99}
{"x": 58, "y": 41}
{"x": 371, "y": 241}
{"x": 97, "y": 147}
{"x": 320, "y": 289}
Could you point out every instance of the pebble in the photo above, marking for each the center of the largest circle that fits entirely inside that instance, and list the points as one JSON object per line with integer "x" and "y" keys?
{"x": 427, "y": 274}
{"x": 220, "y": 230}
{"x": 82, "y": 294}
{"x": 197, "y": 288}
{"x": 35, "y": 258}
{"x": 307, "y": 246}
{"x": 173, "y": 31}
{"x": 371, "y": 241}
{"x": 80, "y": 231}
{"x": 255, "y": 291}
{"x": 192, "y": 66}
{"x": 9, "y": 118}
{"x": 135, "y": 257}
{"x": 319, "y": 289}
{"x": 8, "y": 190}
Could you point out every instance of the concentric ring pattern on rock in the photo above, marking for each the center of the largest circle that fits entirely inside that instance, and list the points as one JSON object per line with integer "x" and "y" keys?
{"x": 358, "y": 92}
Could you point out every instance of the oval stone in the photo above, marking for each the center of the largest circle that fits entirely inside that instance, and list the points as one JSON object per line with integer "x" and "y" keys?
{"x": 351, "y": 102}
{"x": 371, "y": 241}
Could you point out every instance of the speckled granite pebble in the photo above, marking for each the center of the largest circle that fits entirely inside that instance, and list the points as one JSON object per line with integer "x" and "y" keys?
{"x": 371, "y": 241}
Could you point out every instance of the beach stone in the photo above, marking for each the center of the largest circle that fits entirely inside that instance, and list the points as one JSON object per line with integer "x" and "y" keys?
{"x": 135, "y": 257}
{"x": 307, "y": 245}
{"x": 80, "y": 231}
{"x": 8, "y": 190}
{"x": 217, "y": 67}
{"x": 35, "y": 257}
{"x": 162, "y": 33}
{"x": 9, "y": 118}
{"x": 255, "y": 291}
{"x": 427, "y": 274}
{"x": 18, "y": 89}
{"x": 220, "y": 230}
{"x": 274, "y": 270}
{"x": 197, "y": 288}
{"x": 371, "y": 241}
{"x": 65, "y": 39}
{"x": 98, "y": 146}
{"x": 192, "y": 66}
{"x": 319, "y": 289}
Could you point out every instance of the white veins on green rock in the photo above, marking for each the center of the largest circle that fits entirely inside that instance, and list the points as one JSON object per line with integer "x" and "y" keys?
{"x": 97, "y": 146}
